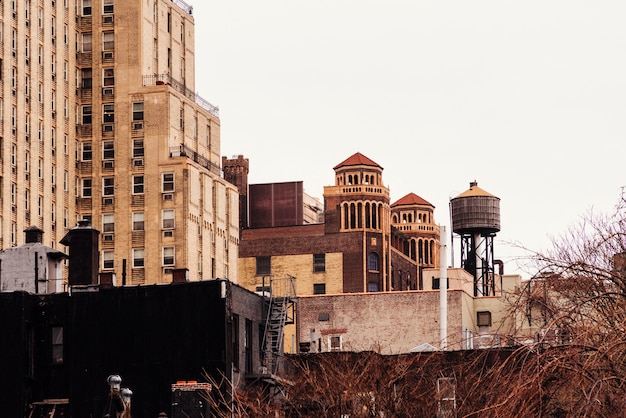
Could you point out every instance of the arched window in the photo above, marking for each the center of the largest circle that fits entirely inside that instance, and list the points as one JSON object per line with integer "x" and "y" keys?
{"x": 367, "y": 215}
{"x": 352, "y": 216}
{"x": 346, "y": 216}
{"x": 372, "y": 262}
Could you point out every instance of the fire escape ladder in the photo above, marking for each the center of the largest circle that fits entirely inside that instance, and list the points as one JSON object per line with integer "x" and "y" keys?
{"x": 280, "y": 306}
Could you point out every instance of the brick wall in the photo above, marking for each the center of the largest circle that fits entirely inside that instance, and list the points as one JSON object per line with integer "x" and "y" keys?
{"x": 390, "y": 323}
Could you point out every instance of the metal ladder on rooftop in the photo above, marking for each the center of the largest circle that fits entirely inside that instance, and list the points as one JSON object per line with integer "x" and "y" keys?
{"x": 280, "y": 304}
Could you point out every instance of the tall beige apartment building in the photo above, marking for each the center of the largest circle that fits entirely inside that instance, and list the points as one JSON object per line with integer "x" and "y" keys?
{"x": 99, "y": 119}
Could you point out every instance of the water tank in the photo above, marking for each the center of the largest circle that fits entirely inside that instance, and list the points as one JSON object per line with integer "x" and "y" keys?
{"x": 475, "y": 211}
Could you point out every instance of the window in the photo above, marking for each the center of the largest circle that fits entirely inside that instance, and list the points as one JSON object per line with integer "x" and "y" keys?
{"x": 86, "y": 111}
{"x": 108, "y": 113}
{"x": 108, "y": 222}
{"x": 483, "y": 318}
{"x": 264, "y": 265}
{"x": 138, "y": 221}
{"x": 108, "y": 186}
{"x": 372, "y": 287}
{"x": 137, "y": 147}
{"x": 108, "y": 150}
{"x": 86, "y": 42}
{"x": 168, "y": 256}
{"x": 436, "y": 283}
{"x": 108, "y": 77}
{"x": 319, "y": 288}
{"x": 108, "y": 43}
{"x": 57, "y": 344}
{"x": 108, "y": 261}
{"x": 137, "y": 111}
{"x": 168, "y": 219}
{"x": 86, "y": 187}
{"x": 372, "y": 262}
{"x": 107, "y": 6}
{"x": 319, "y": 263}
{"x": 138, "y": 184}
{"x": 138, "y": 257}
{"x": 86, "y": 10}
{"x": 167, "y": 182}
{"x": 86, "y": 151}
{"x": 86, "y": 78}
{"x": 334, "y": 342}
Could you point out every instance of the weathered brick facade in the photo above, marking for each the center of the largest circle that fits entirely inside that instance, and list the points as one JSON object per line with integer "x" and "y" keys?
{"x": 386, "y": 322}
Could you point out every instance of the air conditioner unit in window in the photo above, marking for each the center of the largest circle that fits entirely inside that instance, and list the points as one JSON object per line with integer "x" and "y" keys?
{"x": 107, "y": 200}
{"x": 138, "y": 162}
{"x": 108, "y": 91}
{"x": 137, "y": 126}
{"x": 107, "y": 55}
{"x": 107, "y": 19}
{"x": 168, "y": 196}
{"x": 108, "y": 127}
{"x": 107, "y": 237}
{"x": 168, "y": 234}
{"x": 168, "y": 270}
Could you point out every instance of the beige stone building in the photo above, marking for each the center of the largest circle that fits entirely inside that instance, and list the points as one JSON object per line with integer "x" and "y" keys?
{"x": 100, "y": 120}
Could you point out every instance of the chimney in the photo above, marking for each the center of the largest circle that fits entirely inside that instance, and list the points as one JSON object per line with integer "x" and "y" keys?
{"x": 84, "y": 256}
{"x": 33, "y": 235}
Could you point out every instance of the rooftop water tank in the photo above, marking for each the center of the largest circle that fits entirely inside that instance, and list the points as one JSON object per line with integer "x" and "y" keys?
{"x": 475, "y": 211}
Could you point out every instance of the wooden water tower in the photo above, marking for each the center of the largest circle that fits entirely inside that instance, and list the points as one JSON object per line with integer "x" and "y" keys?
{"x": 476, "y": 219}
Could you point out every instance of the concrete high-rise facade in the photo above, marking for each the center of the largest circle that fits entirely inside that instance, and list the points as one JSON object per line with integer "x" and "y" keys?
{"x": 100, "y": 120}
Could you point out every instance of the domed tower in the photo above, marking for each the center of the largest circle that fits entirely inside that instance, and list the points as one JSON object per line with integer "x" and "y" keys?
{"x": 476, "y": 218}
{"x": 414, "y": 217}
{"x": 358, "y": 206}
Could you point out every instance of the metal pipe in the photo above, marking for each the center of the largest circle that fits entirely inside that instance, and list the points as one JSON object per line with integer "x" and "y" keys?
{"x": 443, "y": 288}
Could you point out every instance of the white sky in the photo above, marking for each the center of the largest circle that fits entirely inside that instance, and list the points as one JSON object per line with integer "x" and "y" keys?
{"x": 526, "y": 97}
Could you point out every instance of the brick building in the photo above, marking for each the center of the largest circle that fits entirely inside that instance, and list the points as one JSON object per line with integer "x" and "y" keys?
{"x": 99, "y": 119}
{"x": 365, "y": 244}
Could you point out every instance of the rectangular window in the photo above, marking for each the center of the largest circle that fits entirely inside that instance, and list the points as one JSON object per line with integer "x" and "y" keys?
{"x": 483, "y": 318}
{"x": 108, "y": 261}
{"x": 86, "y": 9}
{"x": 168, "y": 256}
{"x": 138, "y": 257}
{"x": 107, "y": 6}
{"x": 138, "y": 221}
{"x": 137, "y": 111}
{"x": 108, "y": 43}
{"x": 168, "y": 219}
{"x": 167, "y": 183}
{"x": 86, "y": 151}
{"x": 108, "y": 222}
{"x": 86, "y": 187}
{"x": 334, "y": 343}
{"x": 137, "y": 147}
{"x": 86, "y": 111}
{"x": 108, "y": 150}
{"x": 86, "y": 42}
{"x": 108, "y": 77}
{"x": 57, "y": 344}
{"x": 108, "y": 113}
{"x": 319, "y": 288}
{"x": 108, "y": 186}
{"x": 86, "y": 78}
{"x": 138, "y": 184}
{"x": 263, "y": 265}
{"x": 319, "y": 263}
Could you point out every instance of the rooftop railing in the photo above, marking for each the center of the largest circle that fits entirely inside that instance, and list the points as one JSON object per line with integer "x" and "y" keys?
{"x": 158, "y": 79}
{"x": 184, "y": 151}
{"x": 183, "y": 5}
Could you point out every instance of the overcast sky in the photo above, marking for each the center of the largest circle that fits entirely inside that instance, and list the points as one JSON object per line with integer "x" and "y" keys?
{"x": 526, "y": 97}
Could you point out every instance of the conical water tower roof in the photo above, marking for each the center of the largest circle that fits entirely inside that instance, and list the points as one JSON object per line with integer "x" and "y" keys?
{"x": 474, "y": 190}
